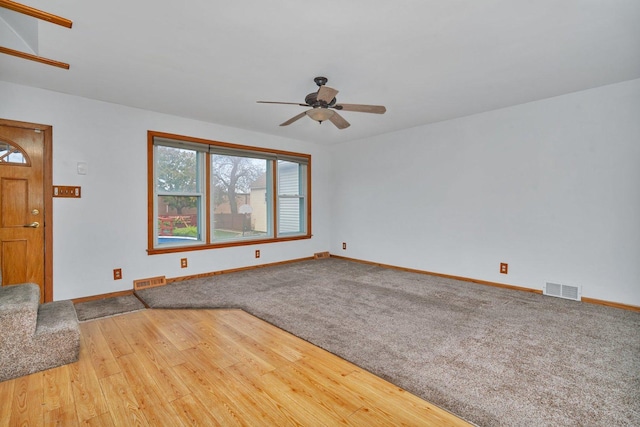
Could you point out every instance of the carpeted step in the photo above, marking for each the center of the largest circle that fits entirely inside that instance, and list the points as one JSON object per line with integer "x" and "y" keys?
{"x": 37, "y": 337}
{"x": 18, "y": 312}
{"x": 57, "y": 335}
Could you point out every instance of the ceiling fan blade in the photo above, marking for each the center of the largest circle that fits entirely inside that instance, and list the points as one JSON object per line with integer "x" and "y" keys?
{"x": 285, "y": 103}
{"x": 339, "y": 121}
{"x": 294, "y": 118}
{"x": 326, "y": 94}
{"x": 377, "y": 109}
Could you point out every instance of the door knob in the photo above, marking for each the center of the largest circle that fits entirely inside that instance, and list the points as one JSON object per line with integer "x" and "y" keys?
{"x": 33, "y": 225}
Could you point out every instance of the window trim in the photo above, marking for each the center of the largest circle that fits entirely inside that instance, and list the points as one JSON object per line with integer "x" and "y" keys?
{"x": 270, "y": 154}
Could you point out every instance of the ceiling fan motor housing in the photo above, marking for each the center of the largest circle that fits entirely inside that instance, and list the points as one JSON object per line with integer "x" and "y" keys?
{"x": 312, "y": 101}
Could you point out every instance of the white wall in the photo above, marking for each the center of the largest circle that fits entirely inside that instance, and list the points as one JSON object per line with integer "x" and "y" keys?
{"x": 550, "y": 187}
{"x": 106, "y": 228}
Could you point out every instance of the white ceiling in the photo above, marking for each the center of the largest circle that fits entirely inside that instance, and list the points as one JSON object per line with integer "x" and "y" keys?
{"x": 425, "y": 60}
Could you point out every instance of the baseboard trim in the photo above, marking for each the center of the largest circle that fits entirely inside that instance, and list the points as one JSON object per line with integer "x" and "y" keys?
{"x": 446, "y": 276}
{"x": 183, "y": 278}
{"x": 393, "y": 267}
{"x": 485, "y": 282}
{"x": 102, "y": 296}
{"x": 234, "y": 270}
{"x": 611, "y": 304}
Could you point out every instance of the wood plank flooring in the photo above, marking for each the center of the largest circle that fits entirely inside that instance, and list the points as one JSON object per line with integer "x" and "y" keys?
{"x": 206, "y": 367}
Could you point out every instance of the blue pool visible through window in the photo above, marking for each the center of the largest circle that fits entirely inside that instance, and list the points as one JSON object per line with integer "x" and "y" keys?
{"x": 175, "y": 239}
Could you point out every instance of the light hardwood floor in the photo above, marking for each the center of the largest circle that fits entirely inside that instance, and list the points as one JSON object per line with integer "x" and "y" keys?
{"x": 206, "y": 367}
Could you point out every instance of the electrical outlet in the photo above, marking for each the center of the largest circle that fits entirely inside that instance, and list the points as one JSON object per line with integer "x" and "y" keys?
{"x": 117, "y": 273}
{"x": 257, "y": 253}
{"x": 183, "y": 263}
{"x": 344, "y": 246}
{"x": 504, "y": 268}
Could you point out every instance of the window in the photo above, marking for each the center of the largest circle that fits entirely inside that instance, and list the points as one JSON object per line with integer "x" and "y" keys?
{"x": 207, "y": 194}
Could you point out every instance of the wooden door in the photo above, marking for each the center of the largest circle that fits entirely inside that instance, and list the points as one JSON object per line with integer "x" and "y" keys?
{"x": 23, "y": 206}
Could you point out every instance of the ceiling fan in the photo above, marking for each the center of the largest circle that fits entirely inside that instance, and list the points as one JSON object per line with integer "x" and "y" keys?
{"x": 323, "y": 104}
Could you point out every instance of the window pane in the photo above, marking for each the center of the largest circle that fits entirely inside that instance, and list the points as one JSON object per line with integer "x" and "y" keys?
{"x": 240, "y": 197}
{"x": 291, "y": 197}
{"x": 176, "y": 170}
{"x": 178, "y": 220}
{"x": 178, "y": 198}
{"x": 11, "y": 154}
{"x": 290, "y": 221}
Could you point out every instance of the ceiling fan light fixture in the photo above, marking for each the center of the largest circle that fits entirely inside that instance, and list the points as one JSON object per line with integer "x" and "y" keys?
{"x": 323, "y": 102}
{"x": 320, "y": 114}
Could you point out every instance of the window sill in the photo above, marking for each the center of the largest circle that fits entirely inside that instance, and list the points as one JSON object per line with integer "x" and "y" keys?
{"x": 207, "y": 246}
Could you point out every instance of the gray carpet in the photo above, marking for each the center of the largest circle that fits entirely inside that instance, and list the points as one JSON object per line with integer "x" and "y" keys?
{"x": 107, "y": 307}
{"x": 492, "y": 356}
{"x": 35, "y": 337}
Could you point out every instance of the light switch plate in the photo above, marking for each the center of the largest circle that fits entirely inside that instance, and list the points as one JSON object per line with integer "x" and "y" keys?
{"x": 67, "y": 191}
{"x": 82, "y": 168}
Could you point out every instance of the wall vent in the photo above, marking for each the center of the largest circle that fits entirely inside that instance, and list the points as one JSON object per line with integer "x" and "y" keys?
{"x": 321, "y": 255}
{"x": 563, "y": 291}
{"x": 151, "y": 282}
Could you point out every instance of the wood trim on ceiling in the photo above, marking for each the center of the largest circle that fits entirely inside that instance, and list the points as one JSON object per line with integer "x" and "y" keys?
{"x": 32, "y": 57}
{"x": 39, "y": 14}
{"x": 36, "y": 13}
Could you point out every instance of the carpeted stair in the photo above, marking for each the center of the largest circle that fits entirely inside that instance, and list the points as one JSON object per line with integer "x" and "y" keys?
{"x": 35, "y": 336}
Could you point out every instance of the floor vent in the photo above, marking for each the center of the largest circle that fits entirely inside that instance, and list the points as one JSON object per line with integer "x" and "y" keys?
{"x": 563, "y": 291}
{"x": 151, "y": 282}
{"x": 321, "y": 255}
